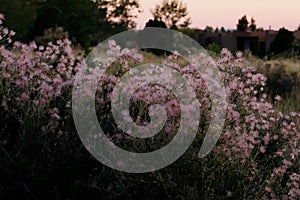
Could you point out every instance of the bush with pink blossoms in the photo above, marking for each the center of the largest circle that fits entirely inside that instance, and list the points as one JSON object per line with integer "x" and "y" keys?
{"x": 257, "y": 156}
{"x": 34, "y": 80}
{"x": 259, "y": 147}
{"x": 263, "y": 142}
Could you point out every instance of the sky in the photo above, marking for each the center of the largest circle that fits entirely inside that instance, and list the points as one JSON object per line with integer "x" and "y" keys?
{"x": 217, "y": 13}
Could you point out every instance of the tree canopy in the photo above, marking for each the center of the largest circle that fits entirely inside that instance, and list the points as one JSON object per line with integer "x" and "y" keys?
{"x": 155, "y": 23}
{"x": 242, "y": 24}
{"x": 173, "y": 13}
{"x": 283, "y": 41}
{"x": 121, "y": 13}
{"x": 86, "y": 21}
{"x": 252, "y": 25}
{"x": 20, "y": 16}
{"x": 80, "y": 18}
{"x": 208, "y": 29}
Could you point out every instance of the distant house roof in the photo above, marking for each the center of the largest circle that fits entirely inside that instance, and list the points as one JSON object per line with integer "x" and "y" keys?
{"x": 261, "y": 35}
{"x": 255, "y": 40}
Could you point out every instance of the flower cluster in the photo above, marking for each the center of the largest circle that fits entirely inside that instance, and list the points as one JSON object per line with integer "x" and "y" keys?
{"x": 261, "y": 142}
{"x": 5, "y": 34}
{"x": 262, "y": 139}
{"x": 258, "y": 142}
{"x": 33, "y": 76}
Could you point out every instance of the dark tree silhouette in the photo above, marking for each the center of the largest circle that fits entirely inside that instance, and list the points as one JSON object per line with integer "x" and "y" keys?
{"x": 122, "y": 13}
{"x": 252, "y": 25}
{"x": 155, "y": 39}
{"x": 80, "y": 18}
{"x": 222, "y": 29}
{"x": 283, "y": 41}
{"x": 172, "y": 12}
{"x": 86, "y": 21}
{"x": 242, "y": 24}
{"x": 208, "y": 29}
{"x": 156, "y": 23}
{"x": 20, "y": 16}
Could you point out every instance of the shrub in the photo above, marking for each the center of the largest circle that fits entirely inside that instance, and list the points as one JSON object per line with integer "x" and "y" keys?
{"x": 280, "y": 81}
{"x": 257, "y": 155}
{"x": 52, "y": 34}
{"x": 214, "y": 48}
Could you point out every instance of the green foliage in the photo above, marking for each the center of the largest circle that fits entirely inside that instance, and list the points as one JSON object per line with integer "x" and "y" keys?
{"x": 280, "y": 80}
{"x": 190, "y": 32}
{"x": 215, "y": 48}
{"x": 172, "y": 12}
{"x": 283, "y": 79}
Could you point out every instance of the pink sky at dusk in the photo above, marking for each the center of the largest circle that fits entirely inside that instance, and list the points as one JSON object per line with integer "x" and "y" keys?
{"x": 274, "y": 13}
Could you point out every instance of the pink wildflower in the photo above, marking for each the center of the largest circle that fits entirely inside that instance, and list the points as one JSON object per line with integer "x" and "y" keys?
{"x": 262, "y": 149}
{"x": 277, "y": 98}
